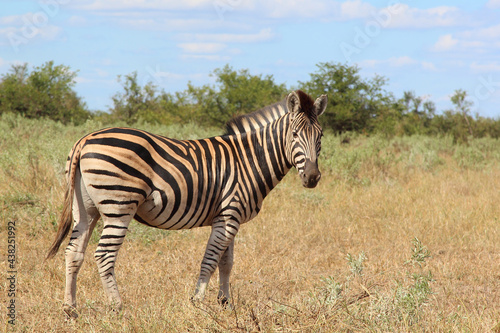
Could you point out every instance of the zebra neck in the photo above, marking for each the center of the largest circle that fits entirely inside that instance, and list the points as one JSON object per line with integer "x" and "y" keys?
{"x": 265, "y": 151}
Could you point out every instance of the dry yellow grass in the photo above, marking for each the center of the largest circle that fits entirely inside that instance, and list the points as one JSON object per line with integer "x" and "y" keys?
{"x": 291, "y": 273}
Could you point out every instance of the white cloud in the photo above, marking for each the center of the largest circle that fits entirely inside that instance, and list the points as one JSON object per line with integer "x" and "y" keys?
{"x": 207, "y": 46}
{"x": 167, "y": 75}
{"x": 369, "y": 63}
{"x": 17, "y": 38}
{"x": 403, "y": 16}
{"x": 428, "y": 66}
{"x": 314, "y": 9}
{"x": 80, "y": 79}
{"x": 102, "y": 62}
{"x": 263, "y": 35}
{"x": 356, "y": 9}
{"x": 493, "y": 4}
{"x": 4, "y": 32}
{"x": 445, "y": 43}
{"x": 492, "y": 32}
{"x": 295, "y": 8}
{"x": 401, "y": 61}
{"x": 11, "y": 20}
{"x": 97, "y": 5}
{"x": 485, "y": 67}
{"x": 50, "y": 32}
{"x": 20, "y": 30}
{"x": 202, "y": 47}
{"x": 397, "y": 62}
{"x": 152, "y": 22}
{"x": 76, "y": 20}
{"x": 156, "y": 75}
{"x": 287, "y": 63}
{"x": 101, "y": 72}
{"x": 209, "y": 57}
{"x": 478, "y": 40}
{"x": 397, "y": 15}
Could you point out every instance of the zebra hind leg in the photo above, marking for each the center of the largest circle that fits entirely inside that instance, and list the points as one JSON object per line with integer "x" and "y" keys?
{"x": 113, "y": 233}
{"x": 85, "y": 216}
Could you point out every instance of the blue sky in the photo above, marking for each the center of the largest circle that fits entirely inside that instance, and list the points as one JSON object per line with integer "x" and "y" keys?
{"x": 429, "y": 47}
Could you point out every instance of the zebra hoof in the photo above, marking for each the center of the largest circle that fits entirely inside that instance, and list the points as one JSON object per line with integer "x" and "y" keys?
{"x": 225, "y": 303}
{"x": 70, "y": 311}
{"x": 195, "y": 299}
{"x": 116, "y": 307}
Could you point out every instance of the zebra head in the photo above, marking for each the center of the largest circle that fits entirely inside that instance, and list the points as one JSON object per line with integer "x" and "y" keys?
{"x": 304, "y": 135}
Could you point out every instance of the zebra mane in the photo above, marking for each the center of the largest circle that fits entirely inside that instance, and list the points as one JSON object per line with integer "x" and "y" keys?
{"x": 268, "y": 114}
{"x": 257, "y": 119}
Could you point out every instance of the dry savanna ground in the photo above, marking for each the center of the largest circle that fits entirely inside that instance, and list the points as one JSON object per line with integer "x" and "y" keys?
{"x": 401, "y": 235}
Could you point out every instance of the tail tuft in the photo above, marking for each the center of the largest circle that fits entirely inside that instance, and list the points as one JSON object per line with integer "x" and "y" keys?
{"x": 64, "y": 222}
{"x": 66, "y": 219}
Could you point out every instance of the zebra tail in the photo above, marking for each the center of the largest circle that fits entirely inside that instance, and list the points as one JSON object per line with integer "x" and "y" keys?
{"x": 66, "y": 218}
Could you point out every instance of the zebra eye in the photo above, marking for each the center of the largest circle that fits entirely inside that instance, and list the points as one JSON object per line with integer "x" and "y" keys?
{"x": 295, "y": 135}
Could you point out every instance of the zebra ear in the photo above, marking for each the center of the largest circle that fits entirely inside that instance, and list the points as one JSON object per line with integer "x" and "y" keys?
{"x": 320, "y": 104}
{"x": 293, "y": 103}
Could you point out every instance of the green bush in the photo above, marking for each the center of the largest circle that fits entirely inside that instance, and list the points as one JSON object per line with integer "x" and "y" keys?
{"x": 46, "y": 92}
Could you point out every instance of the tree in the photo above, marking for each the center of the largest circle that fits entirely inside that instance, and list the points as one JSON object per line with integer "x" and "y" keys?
{"x": 354, "y": 103}
{"x": 15, "y": 93}
{"x": 143, "y": 103}
{"x": 462, "y": 106}
{"x": 458, "y": 123}
{"x": 45, "y": 92}
{"x": 235, "y": 93}
{"x": 417, "y": 114}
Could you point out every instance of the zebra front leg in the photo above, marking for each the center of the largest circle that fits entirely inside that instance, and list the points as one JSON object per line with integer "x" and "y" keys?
{"x": 221, "y": 238}
{"x": 112, "y": 237}
{"x": 225, "y": 266}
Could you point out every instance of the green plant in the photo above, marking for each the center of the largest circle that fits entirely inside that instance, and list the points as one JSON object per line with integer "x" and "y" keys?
{"x": 356, "y": 265}
{"x": 419, "y": 253}
{"x": 330, "y": 291}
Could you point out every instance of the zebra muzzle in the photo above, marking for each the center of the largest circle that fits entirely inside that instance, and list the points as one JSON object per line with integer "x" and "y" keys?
{"x": 311, "y": 175}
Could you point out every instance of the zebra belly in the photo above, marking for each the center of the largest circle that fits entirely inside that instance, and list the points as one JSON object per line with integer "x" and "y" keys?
{"x": 168, "y": 211}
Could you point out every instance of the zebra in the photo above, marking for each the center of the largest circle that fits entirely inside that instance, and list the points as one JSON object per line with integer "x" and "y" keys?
{"x": 119, "y": 174}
